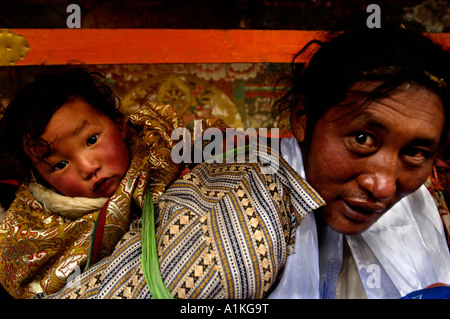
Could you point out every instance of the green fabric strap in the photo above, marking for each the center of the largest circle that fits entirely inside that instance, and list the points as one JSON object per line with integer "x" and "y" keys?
{"x": 150, "y": 262}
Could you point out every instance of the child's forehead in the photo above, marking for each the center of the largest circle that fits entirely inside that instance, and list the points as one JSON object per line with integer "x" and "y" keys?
{"x": 72, "y": 118}
{"x": 77, "y": 108}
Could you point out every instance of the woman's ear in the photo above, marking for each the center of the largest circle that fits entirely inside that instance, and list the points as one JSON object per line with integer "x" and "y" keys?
{"x": 298, "y": 124}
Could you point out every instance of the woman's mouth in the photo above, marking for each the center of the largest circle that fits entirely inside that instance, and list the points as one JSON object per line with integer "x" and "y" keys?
{"x": 361, "y": 211}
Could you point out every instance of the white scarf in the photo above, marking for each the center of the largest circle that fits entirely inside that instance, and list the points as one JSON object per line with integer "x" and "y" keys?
{"x": 71, "y": 207}
{"x": 404, "y": 251}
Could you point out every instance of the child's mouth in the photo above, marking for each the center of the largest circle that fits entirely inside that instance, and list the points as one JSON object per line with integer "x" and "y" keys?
{"x": 102, "y": 184}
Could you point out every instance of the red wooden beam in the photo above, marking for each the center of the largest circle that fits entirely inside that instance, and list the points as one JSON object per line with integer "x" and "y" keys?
{"x": 129, "y": 46}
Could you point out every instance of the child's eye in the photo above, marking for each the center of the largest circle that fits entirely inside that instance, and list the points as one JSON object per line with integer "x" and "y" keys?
{"x": 92, "y": 139}
{"x": 60, "y": 165}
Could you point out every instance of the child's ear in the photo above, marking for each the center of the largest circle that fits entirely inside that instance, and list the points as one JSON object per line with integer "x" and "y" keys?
{"x": 298, "y": 124}
{"x": 122, "y": 126}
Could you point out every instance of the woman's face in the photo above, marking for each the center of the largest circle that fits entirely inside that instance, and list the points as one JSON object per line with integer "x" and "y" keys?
{"x": 88, "y": 155}
{"x": 364, "y": 159}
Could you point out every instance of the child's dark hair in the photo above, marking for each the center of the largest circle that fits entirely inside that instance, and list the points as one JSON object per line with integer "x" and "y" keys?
{"x": 390, "y": 55}
{"x": 31, "y": 109}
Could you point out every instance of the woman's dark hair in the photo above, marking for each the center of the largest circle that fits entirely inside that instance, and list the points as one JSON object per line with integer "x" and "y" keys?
{"x": 390, "y": 55}
{"x": 29, "y": 112}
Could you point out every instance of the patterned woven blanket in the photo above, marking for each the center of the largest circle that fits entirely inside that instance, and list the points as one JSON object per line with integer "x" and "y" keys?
{"x": 223, "y": 231}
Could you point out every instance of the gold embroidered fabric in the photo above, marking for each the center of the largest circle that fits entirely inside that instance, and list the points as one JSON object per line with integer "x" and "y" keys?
{"x": 40, "y": 249}
{"x": 223, "y": 230}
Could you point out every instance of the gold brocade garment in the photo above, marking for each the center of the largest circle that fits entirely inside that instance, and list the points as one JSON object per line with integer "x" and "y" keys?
{"x": 41, "y": 248}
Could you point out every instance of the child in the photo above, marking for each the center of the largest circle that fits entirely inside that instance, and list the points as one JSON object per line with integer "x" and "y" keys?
{"x": 88, "y": 170}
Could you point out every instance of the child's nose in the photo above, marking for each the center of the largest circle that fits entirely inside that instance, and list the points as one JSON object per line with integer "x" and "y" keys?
{"x": 88, "y": 166}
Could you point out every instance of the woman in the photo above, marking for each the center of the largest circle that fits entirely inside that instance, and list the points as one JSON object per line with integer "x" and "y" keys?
{"x": 368, "y": 113}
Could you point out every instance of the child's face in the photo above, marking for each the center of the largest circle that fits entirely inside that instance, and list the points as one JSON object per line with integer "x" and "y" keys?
{"x": 88, "y": 155}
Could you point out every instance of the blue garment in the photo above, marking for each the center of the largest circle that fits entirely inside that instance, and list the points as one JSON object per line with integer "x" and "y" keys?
{"x": 440, "y": 292}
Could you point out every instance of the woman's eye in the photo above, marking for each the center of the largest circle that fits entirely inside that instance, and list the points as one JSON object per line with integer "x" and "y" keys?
{"x": 417, "y": 154}
{"x": 60, "y": 165}
{"x": 364, "y": 139}
{"x": 361, "y": 143}
{"x": 92, "y": 139}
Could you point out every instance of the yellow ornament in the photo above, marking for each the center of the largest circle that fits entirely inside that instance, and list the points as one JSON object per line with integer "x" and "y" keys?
{"x": 13, "y": 47}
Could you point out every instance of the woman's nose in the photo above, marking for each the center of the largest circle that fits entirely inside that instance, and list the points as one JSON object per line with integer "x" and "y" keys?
{"x": 381, "y": 186}
{"x": 380, "y": 180}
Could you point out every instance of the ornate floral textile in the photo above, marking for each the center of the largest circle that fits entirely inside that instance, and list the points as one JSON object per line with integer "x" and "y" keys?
{"x": 437, "y": 184}
{"x": 223, "y": 231}
{"x": 41, "y": 248}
